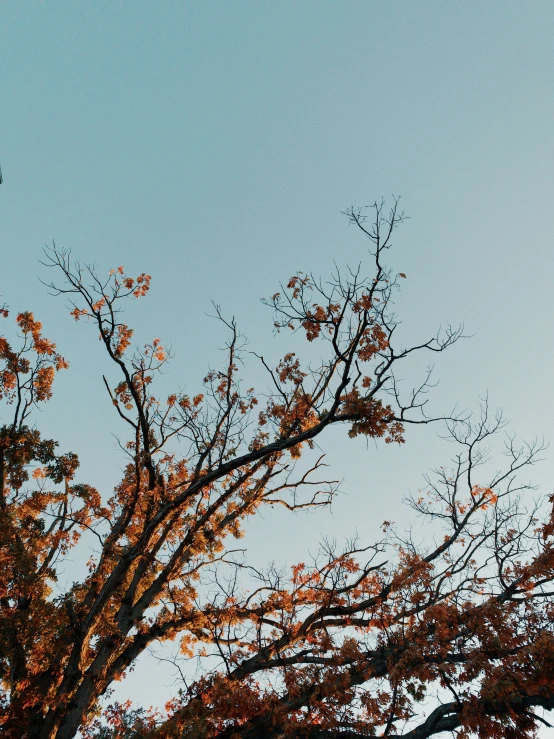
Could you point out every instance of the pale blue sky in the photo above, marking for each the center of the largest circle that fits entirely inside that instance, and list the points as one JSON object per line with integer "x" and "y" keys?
{"x": 215, "y": 144}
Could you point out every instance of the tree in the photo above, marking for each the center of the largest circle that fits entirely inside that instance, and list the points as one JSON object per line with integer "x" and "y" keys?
{"x": 394, "y": 638}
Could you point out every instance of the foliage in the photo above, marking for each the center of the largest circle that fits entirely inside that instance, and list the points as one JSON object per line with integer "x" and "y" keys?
{"x": 393, "y": 638}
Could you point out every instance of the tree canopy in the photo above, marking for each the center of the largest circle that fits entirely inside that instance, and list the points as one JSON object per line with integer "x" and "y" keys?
{"x": 389, "y": 638}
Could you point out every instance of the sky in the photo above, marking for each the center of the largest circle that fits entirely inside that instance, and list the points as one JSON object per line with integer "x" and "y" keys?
{"x": 214, "y": 145}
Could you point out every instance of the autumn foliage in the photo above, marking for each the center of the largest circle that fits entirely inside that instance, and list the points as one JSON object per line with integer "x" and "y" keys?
{"x": 391, "y": 638}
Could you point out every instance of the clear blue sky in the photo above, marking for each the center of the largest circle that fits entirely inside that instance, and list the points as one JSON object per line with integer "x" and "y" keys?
{"x": 215, "y": 144}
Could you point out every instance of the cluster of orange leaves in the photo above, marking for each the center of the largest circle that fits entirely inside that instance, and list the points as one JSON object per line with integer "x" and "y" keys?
{"x": 372, "y": 418}
{"x": 18, "y": 363}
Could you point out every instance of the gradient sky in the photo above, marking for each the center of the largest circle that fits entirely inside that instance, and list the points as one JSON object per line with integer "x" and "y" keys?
{"x": 214, "y": 146}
